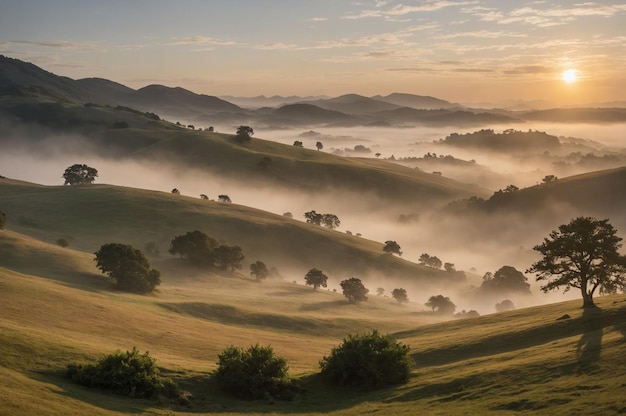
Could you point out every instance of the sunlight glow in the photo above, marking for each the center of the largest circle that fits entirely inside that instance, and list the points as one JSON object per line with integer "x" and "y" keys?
{"x": 569, "y": 76}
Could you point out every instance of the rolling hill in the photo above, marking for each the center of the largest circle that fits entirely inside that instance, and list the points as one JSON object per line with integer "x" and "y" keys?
{"x": 419, "y": 102}
{"x": 90, "y": 216}
{"x": 60, "y": 312}
{"x": 121, "y": 132}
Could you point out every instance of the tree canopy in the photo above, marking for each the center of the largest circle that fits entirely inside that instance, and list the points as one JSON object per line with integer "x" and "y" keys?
{"x": 330, "y": 221}
{"x": 79, "y": 174}
{"x": 313, "y": 217}
{"x": 245, "y": 131}
{"x": 430, "y": 261}
{"x": 505, "y": 279}
{"x": 228, "y": 257}
{"x": 400, "y": 295}
{"x": 128, "y": 266}
{"x": 259, "y": 269}
{"x": 195, "y": 245}
{"x": 583, "y": 254}
{"x": 315, "y": 278}
{"x": 441, "y": 304}
{"x": 392, "y": 247}
{"x": 354, "y": 290}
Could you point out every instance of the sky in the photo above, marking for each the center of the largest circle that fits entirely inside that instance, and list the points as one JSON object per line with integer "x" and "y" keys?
{"x": 466, "y": 51}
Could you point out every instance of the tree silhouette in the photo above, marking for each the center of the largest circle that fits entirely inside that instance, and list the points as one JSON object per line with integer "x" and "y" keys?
{"x": 441, "y": 304}
{"x": 319, "y": 146}
{"x": 354, "y": 290}
{"x": 79, "y": 175}
{"x": 392, "y": 247}
{"x": 400, "y": 295}
{"x": 128, "y": 266}
{"x": 583, "y": 254}
{"x": 315, "y": 278}
{"x": 259, "y": 269}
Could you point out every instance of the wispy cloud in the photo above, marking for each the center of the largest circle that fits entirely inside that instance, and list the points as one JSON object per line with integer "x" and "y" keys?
{"x": 402, "y": 9}
{"x": 545, "y": 17}
{"x": 199, "y": 40}
{"x": 55, "y": 44}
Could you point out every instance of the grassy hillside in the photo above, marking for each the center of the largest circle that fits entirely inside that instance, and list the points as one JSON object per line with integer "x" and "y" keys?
{"x": 89, "y": 216}
{"x": 520, "y": 361}
{"x": 123, "y": 132}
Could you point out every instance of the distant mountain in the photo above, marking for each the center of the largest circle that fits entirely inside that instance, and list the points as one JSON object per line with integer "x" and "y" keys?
{"x": 353, "y": 104}
{"x": 177, "y": 100}
{"x": 308, "y": 114}
{"x": 23, "y": 78}
{"x": 105, "y": 91}
{"x": 263, "y": 101}
{"x": 419, "y": 102}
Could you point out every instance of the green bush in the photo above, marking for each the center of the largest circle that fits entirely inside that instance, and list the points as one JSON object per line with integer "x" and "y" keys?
{"x": 255, "y": 373}
{"x": 368, "y": 361}
{"x": 127, "y": 374}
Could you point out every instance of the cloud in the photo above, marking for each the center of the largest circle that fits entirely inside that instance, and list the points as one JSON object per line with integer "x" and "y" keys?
{"x": 401, "y": 9}
{"x": 318, "y": 19}
{"x": 199, "y": 40}
{"x": 55, "y": 44}
{"x": 485, "y": 34}
{"x": 554, "y": 16}
{"x": 528, "y": 70}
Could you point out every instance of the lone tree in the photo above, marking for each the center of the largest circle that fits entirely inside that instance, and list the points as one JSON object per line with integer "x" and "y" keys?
{"x": 584, "y": 255}
{"x": 224, "y": 198}
{"x": 505, "y": 279}
{"x": 392, "y": 247}
{"x": 244, "y": 133}
{"x": 316, "y": 278}
{"x": 354, "y": 290}
{"x": 441, "y": 304}
{"x": 368, "y": 361}
{"x": 128, "y": 266}
{"x": 79, "y": 175}
{"x": 259, "y": 269}
{"x": 400, "y": 295}
{"x": 319, "y": 146}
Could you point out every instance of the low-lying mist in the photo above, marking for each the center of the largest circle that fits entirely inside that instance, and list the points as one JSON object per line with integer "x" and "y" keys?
{"x": 472, "y": 245}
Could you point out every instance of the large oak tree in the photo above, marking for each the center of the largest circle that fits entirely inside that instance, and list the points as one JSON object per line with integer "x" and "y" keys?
{"x": 583, "y": 254}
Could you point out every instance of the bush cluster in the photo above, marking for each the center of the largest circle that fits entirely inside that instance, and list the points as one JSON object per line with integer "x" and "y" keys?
{"x": 255, "y": 373}
{"x": 127, "y": 374}
{"x": 368, "y": 361}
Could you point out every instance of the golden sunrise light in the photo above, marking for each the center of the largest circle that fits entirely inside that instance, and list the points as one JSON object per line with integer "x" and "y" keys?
{"x": 569, "y": 76}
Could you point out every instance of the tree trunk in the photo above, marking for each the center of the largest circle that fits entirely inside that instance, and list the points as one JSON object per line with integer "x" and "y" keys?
{"x": 588, "y": 300}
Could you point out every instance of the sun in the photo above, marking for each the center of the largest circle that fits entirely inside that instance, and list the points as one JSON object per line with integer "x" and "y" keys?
{"x": 570, "y": 76}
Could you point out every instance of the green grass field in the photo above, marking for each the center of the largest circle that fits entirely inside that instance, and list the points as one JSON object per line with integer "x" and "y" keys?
{"x": 57, "y": 309}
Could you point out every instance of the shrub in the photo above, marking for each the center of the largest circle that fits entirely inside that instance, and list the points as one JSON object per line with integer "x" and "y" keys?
{"x": 3, "y": 220}
{"x": 62, "y": 242}
{"x": 126, "y": 374}
{"x": 368, "y": 361}
{"x": 255, "y": 373}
